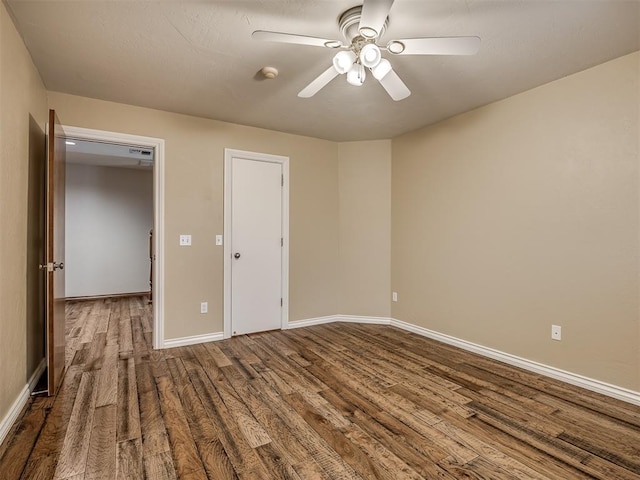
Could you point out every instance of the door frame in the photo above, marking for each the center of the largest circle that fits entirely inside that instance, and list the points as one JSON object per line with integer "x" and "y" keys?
{"x": 229, "y": 154}
{"x": 158, "y": 211}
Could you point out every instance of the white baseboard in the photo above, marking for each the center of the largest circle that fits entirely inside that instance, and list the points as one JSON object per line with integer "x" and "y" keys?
{"x": 607, "y": 389}
{"x": 338, "y": 318}
{"x": 359, "y": 319}
{"x": 14, "y": 412}
{"x": 308, "y": 322}
{"x": 192, "y": 340}
{"x": 22, "y": 399}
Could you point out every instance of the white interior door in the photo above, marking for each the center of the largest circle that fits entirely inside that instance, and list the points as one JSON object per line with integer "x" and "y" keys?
{"x": 256, "y": 245}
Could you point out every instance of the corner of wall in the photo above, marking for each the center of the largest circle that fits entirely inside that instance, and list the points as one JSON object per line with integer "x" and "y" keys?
{"x": 365, "y": 227}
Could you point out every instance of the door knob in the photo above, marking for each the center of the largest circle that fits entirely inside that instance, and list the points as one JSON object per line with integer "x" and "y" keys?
{"x": 236, "y": 255}
{"x": 58, "y": 266}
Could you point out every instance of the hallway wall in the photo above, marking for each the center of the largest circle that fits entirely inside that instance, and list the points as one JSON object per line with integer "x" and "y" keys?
{"x": 109, "y": 212}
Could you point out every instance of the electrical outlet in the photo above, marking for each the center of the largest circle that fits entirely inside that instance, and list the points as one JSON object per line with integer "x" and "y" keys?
{"x": 394, "y": 296}
{"x": 556, "y": 332}
{"x": 204, "y": 307}
{"x": 218, "y": 239}
{"x": 185, "y": 240}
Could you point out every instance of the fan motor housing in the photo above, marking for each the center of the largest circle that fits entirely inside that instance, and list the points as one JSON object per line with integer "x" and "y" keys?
{"x": 349, "y": 23}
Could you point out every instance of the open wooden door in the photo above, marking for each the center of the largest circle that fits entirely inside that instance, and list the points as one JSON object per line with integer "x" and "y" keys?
{"x": 54, "y": 254}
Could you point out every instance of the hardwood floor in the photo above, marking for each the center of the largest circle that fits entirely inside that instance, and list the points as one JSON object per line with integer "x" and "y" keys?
{"x": 339, "y": 401}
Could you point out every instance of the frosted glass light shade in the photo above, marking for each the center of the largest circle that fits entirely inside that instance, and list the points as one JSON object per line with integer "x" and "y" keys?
{"x": 356, "y": 75}
{"x": 370, "y": 55}
{"x": 343, "y": 61}
{"x": 381, "y": 69}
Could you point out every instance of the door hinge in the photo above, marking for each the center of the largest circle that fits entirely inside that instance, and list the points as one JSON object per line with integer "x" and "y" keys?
{"x": 282, "y": 180}
{"x": 281, "y": 242}
{"x": 281, "y": 302}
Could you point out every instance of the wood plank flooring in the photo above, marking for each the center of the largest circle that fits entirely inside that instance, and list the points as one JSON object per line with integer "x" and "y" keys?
{"x": 339, "y": 401}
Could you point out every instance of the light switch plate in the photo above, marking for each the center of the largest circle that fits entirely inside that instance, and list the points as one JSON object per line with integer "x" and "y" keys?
{"x": 556, "y": 332}
{"x": 185, "y": 240}
{"x": 204, "y": 307}
{"x": 218, "y": 239}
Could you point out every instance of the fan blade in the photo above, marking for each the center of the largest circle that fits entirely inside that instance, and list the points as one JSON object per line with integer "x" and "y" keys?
{"x": 394, "y": 86}
{"x": 374, "y": 14}
{"x": 279, "y": 37}
{"x": 435, "y": 46}
{"x": 315, "y": 86}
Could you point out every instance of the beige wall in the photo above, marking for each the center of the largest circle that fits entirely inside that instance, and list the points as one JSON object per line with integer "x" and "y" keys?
{"x": 524, "y": 214}
{"x": 21, "y": 94}
{"x": 194, "y": 151}
{"x": 365, "y": 228}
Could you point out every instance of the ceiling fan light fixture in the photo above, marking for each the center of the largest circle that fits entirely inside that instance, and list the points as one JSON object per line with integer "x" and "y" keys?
{"x": 396, "y": 47}
{"x": 368, "y": 32}
{"x": 361, "y": 27}
{"x": 356, "y": 75}
{"x": 370, "y": 55}
{"x": 381, "y": 69}
{"x": 343, "y": 61}
{"x": 269, "y": 72}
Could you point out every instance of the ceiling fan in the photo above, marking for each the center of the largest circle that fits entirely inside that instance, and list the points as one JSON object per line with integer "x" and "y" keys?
{"x": 362, "y": 28}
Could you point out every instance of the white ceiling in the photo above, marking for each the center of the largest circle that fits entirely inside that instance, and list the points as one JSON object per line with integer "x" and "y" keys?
{"x": 198, "y": 58}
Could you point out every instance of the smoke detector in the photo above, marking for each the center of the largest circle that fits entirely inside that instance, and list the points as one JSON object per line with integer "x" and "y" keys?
{"x": 269, "y": 72}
